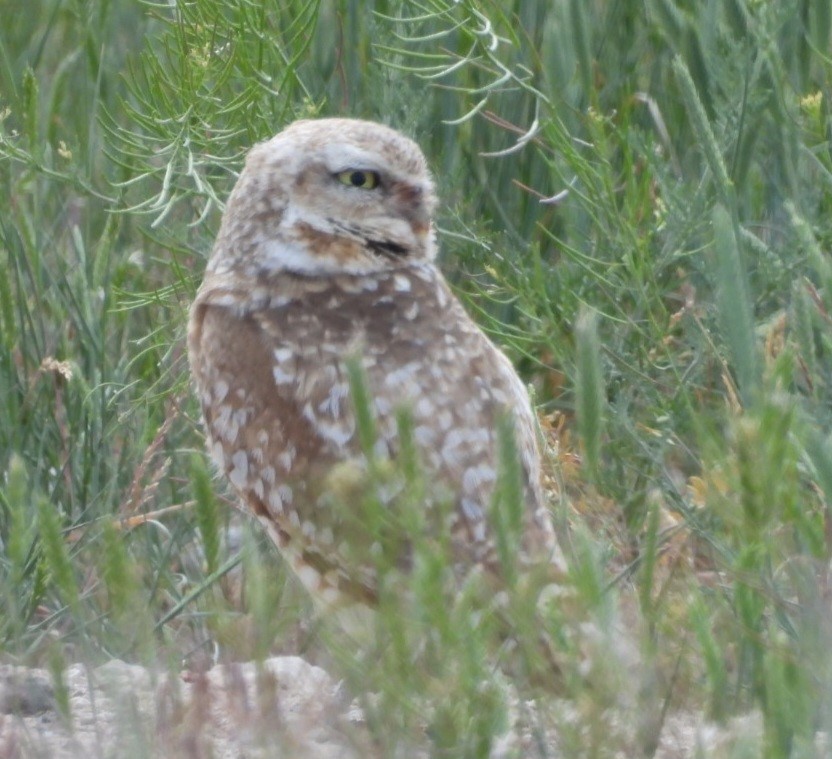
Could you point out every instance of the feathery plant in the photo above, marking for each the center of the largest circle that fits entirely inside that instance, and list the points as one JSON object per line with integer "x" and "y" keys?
{"x": 663, "y": 167}
{"x": 96, "y": 411}
{"x": 213, "y": 77}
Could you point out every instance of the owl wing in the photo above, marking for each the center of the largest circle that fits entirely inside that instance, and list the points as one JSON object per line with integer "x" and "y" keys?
{"x": 259, "y": 436}
{"x": 462, "y": 395}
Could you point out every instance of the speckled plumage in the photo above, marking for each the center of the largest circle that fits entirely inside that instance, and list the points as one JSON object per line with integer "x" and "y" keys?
{"x": 307, "y": 273}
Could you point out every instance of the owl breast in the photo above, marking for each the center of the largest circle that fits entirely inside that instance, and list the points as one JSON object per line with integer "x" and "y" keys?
{"x": 271, "y": 362}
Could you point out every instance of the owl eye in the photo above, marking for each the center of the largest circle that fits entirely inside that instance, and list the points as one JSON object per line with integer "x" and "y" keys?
{"x": 366, "y": 180}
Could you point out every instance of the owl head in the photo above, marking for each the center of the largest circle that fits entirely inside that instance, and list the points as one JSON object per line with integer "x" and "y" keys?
{"x": 329, "y": 196}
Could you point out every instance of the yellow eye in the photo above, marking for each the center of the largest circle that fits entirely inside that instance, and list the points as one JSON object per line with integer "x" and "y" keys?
{"x": 365, "y": 180}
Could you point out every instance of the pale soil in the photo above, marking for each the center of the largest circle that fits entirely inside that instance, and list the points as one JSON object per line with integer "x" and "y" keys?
{"x": 287, "y": 708}
{"x": 283, "y": 708}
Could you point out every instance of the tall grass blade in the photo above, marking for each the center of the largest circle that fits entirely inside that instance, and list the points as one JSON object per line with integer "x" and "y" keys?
{"x": 508, "y": 506}
{"x": 207, "y": 512}
{"x": 56, "y": 555}
{"x": 589, "y": 391}
{"x": 734, "y": 305}
{"x": 702, "y": 129}
{"x": 365, "y": 423}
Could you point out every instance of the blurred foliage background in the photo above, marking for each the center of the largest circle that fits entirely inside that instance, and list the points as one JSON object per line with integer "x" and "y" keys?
{"x": 636, "y": 204}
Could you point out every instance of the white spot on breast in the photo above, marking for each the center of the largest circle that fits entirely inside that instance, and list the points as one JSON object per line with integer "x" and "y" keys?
{"x": 259, "y": 489}
{"x": 424, "y": 407}
{"x": 454, "y": 439}
{"x": 220, "y": 391}
{"x": 330, "y": 596}
{"x": 332, "y": 404}
{"x": 499, "y": 396}
{"x": 224, "y": 424}
{"x": 268, "y": 473}
{"x": 275, "y": 502}
{"x": 471, "y": 510}
{"x": 338, "y": 432}
{"x": 401, "y": 283}
{"x": 380, "y": 449}
{"x": 308, "y": 575}
{"x": 402, "y": 375}
{"x": 412, "y": 311}
{"x": 239, "y": 472}
{"x": 445, "y": 419}
{"x": 424, "y": 435}
{"x": 231, "y": 299}
{"x": 425, "y": 273}
{"x": 240, "y": 416}
{"x": 218, "y": 454}
{"x": 470, "y": 439}
{"x": 281, "y": 377}
{"x": 286, "y": 457}
{"x": 476, "y": 476}
{"x": 286, "y": 494}
{"x": 282, "y": 354}
{"x": 308, "y": 529}
{"x": 451, "y": 355}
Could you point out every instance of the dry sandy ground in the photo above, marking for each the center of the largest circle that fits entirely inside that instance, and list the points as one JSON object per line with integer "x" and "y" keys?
{"x": 284, "y": 707}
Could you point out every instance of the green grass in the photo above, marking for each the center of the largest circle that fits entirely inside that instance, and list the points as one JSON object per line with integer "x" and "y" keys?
{"x": 670, "y": 307}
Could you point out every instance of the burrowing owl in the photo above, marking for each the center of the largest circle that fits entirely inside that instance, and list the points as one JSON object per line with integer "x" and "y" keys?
{"x": 325, "y": 256}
